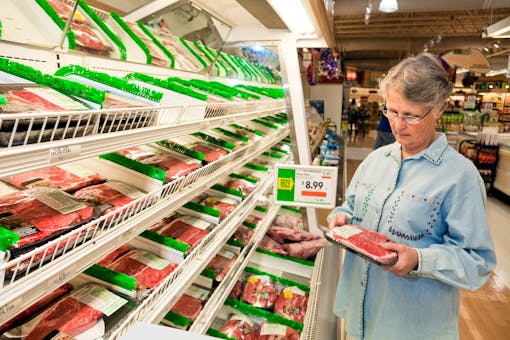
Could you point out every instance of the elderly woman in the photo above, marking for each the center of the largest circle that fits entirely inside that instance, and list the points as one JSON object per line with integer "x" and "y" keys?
{"x": 429, "y": 200}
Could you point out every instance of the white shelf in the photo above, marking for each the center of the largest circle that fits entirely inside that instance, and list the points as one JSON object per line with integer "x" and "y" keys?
{"x": 87, "y": 244}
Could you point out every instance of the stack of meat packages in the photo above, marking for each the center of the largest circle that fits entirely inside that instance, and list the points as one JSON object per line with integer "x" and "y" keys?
{"x": 174, "y": 164}
{"x": 286, "y": 238}
{"x": 87, "y": 38}
{"x": 55, "y": 200}
{"x": 210, "y": 151}
{"x": 263, "y": 292}
{"x": 66, "y": 313}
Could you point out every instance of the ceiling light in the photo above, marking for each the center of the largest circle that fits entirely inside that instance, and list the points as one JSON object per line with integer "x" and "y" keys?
{"x": 486, "y": 49}
{"x": 294, "y": 14}
{"x": 388, "y": 6}
{"x": 496, "y": 45}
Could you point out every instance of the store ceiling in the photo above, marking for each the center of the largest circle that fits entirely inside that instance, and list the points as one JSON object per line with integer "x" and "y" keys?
{"x": 389, "y": 37}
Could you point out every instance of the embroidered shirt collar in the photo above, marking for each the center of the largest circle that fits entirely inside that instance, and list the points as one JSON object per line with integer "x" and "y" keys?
{"x": 434, "y": 153}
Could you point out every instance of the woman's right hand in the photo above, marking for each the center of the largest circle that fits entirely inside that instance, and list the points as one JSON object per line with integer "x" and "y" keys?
{"x": 338, "y": 220}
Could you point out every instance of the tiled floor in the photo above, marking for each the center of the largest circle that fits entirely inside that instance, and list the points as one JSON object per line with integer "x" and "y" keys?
{"x": 485, "y": 313}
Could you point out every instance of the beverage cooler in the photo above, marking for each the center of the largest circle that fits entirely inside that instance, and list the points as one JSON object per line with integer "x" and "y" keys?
{"x": 138, "y": 157}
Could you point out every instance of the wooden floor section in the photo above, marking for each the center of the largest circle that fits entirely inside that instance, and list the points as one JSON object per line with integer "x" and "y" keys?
{"x": 484, "y": 313}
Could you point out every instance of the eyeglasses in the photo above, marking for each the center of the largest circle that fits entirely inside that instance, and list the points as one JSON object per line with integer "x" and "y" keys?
{"x": 408, "y": 119}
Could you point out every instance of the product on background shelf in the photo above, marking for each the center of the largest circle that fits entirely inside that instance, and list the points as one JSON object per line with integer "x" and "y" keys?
{"x": 242, "y": 234}
{"x": 187, "y": 308}
{"x": 272, "y": 331}
{"x": 68, "y": 177}
{"x": 259, "y": 291}
{"x": 363, "y": 242}
{"x": 239, "y": 327}
{"x": 187, "y": 229}
{"x": 220, "y": 265}
{"x": 109, "y": 196}
{"x": 283, "y": 234}
{"x": 195, "y": 147}
{"x": 111, "y": 257}
{"x": 224, "y": 204}
{"x": 292, "y": 303}
{"x": 304, "y": 249}
{"x": 79, "y": 314}
{"x": 271, "y": 245}
{"x": 243, "y": 184}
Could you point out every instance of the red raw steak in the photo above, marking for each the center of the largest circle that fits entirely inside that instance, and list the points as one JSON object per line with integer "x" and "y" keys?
{"x": 304, "y": 249}
{"x": 56, "y": 177}
{"x": 108, "y": 194}
{"x": 243, "y": 234}
{"x": 271, "y": 245}
{"x": 237, "y": 290}
{"x": 188, "y": 307}
{"x": 239, "y": 327}
{"x": 291, "y": 303}
{"x": 146, "y": 276}
{"x": 184, "y": 231}
{"x": 173, "y": 166}
{"x": 221, "y": 264}
{"x": 282, "y": 234}
{"x": 224, "y": 205}
{"x": 87, "y": 38}
{"x": 259, "y": 291}
{"x": 291, "y": 221}
{"x": 363, "y": 242}
{"x": 268, "y": 331}
{"x": 35, "y": 102}
{"x": 110, "y": 258}
{"x": 242, "y": 185}
{"x": 211, "y": 154}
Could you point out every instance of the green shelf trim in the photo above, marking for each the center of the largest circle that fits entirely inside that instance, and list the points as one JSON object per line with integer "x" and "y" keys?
{"x": 215, "y": 55}
{"x": 229, "y": 63}
{"x": 266, "y": 124}
{"x": 279, "y": 150}
{"x": 231, "y": 134}
{"x": 202, "y": 209}
{"x": 111, "y": 276}
{"x": 169, "y": 85}
{"x": 287, "y": 258}
{"x": 275, "y": 93}
{"x": 71, "y": 38}
{"x": 177, "y": 319}
{"x": 217, "y": 334}
{"x": 103, "y": 78}
{"x": 236, "y": 91}
{"x": 293, "y": 209}
{"x": 209, "y": 273}
{"x": 99, "y": 22}
{"x": 272, "y": 155}
{"x": 192, "y": 51}
{"x": 275, "y": 120}
{"x": 285, "y": 282}
{"x": 199, "y": 47}
{"x": 205, "y": 86}
{"x": 166, "y": 241}
{"x": 227, "y": 190}
{"x": 213, "y": 140}
{"x": 249, "y": 225}
{"x": 261, "y": 209}
{"x": 240, "y": 127}
{"x": 158, "y": 43}
{"x": 3, "y": 101}
{"x": 182, "y": 150}
{"x": 244, "y": 65}
{"x": 260, "y": 76}
{"x": 235, "y": 60}
{"x": 248, "y": 309}
{"x": 0, "y": 29}
{"x": 256, "y": 167}
{"x": 235, "y": 243}
{"x": 133, "y": 36}
{"x": 249, "y": 179}
{"x": 146, "y": 169}
{"x": 7, "y": 238}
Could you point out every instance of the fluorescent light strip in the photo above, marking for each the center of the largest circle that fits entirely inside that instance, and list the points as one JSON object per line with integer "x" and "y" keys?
{"x": 294, "y": 14}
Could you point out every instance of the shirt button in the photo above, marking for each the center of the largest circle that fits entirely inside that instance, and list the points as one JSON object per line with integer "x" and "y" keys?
{"x": 362, "y": 284}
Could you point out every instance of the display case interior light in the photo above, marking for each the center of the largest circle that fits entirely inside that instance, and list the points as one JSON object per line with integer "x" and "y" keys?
{"x": 294, "y": 14}
{"x": 388, "y": 6}
{"x": 495, "y": 72}
{"x": 500, "y": 29}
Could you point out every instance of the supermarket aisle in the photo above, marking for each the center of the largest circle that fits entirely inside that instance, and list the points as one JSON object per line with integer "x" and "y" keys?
{"x": 485, "y": 313}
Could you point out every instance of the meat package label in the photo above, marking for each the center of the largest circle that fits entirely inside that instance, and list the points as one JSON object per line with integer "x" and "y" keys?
{"x": 126, "y": 190}
{"x": 226, "y": 254}
{"x": 57, "y": 200}
{"x": 100, "y": 299}
{"x": 77, "y": 170}
{"x": 197, "y": 293}
{"x": 288, "y": 292}
{"x": 273, "y": 329}
{"x": 57, "y": 98}
{"x": 345, "y": 231}
{"x": 150, "y": 260}
{"x": 243, "y": 318}
{"x": 256, "y": 278}
{"x": 195, "y": 222}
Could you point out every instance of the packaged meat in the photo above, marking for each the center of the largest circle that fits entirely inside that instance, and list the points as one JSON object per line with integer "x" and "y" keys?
{"x": 271, "y": 245}
{"x": 239, "y": 327}
{"x": 259, "y": 291}
{"x": 36, "y": 308}
{"x": 237, "y": 290}
{"x": 158, "y": 57}
{"x": 243, "y": 234}
{"x": 282, "y": 235}
{"x": 304, "y": 249}
{"x": 109, "y": 196}
{"x": 221, "y": 264}
{"x": 246, "y": 187}
{"x": 363, "y": 242}
{"x": 212, "y": 153}
{"x": 273, "y": 331}
{"x": 190, "y": 303}
{"x": 291, "y": 303}
{"x": 40, "y": 213}
{"x": 110, "y": 258}
{"x": 74, "y": 314}
{"x": 223, "y": 204}
{"x": 68, "y": 177}
{"x": 113, "y": 101}
{"x": 186, "y": 229}
{"x": 252, "y": 221}
{"x": 293, "y": 221}
{"x": 148, "y": 269}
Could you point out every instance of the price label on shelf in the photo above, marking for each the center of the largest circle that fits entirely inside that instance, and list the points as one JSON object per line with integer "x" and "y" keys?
{"x": 62, "y": 153}
{"x": 305, "y": 186}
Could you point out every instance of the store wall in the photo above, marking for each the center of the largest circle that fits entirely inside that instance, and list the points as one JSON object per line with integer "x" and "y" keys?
{"x": 332, "y": 95}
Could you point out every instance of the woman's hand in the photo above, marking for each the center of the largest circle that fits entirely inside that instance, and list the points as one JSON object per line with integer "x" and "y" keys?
{"x": 338, "y": 220}
{"x": 407, "y": 258}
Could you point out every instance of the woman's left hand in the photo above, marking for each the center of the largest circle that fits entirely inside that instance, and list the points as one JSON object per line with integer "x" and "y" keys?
{"x": 407, "y": 259}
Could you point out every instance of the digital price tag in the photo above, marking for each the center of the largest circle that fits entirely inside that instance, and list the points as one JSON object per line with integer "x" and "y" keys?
{"x": 305, "y": 186}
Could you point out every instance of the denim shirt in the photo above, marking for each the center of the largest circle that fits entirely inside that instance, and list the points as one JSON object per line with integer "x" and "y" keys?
{"x": 434, "y": 202}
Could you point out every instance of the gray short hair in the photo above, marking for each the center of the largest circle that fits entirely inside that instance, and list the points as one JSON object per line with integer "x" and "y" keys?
{"x": 420, "y": 79}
